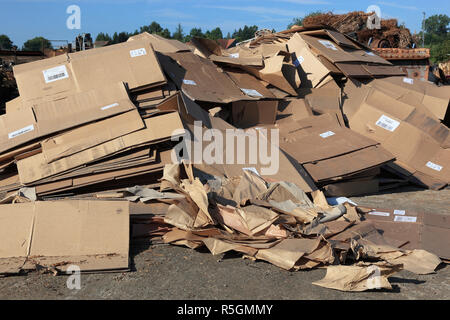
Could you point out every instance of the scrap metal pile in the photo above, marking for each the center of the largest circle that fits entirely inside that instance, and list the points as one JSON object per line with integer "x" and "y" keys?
{"x": 86, "y": 157}
{"x": 388, "y": 35}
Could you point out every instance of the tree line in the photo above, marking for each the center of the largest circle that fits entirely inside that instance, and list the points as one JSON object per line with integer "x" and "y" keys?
{"x": 436, "y": 36}
{"x": 245, "y": 33}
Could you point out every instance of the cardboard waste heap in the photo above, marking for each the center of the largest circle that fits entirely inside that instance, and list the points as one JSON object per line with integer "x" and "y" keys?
{"x": 112, "y": 146}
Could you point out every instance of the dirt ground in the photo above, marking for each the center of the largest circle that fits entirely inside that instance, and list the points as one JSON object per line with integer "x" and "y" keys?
{"x": 170, "y": 272}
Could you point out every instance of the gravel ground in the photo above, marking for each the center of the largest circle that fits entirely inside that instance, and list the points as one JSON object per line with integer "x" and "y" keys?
{"x": 170, "y": 272}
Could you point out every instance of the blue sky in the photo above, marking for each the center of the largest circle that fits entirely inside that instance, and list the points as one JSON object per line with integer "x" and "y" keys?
{"x": 25, "y": 19}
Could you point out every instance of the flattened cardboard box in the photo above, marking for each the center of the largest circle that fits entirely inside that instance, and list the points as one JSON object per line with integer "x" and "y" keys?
{"x": 45, "y": 118}
{"x": 161, "y": 44}
{"x": 327, "y": 150}
{"x": 93, "y": 235}
{"x": 50, "y": 79}
{"x": 416, "y": 93}
{"x": 158, "y": 128}
{"x": 428, "y": 231}
{"x": 199, "y": 78}
{"x": 421, "y": 153}
{"x": 91, "y": 135}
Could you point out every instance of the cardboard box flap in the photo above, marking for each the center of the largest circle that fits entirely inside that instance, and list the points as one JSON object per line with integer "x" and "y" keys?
{"x": 249, "y": 85}
{"x": 354, "y": 70}
{"x": 349, "y": 163}
{"x": 200, "y": 79}
{"x": 157, "y": 129}
{"x": 161, "y": 44}
{"x": 64, "y": 231}
{"x": 132, "y": 62}
{"x": 45, "y": 79}
{"x": 341, "y": 39}
{"x": 329, "y": 49}
{"x": 91, "y": 135}
{"x": 17, "y": 127}
{"x": 14, "y": 104}
{"x": 81, "y": 108}
{"x": 312, "y": 71}
{"x": 328, "y": 144}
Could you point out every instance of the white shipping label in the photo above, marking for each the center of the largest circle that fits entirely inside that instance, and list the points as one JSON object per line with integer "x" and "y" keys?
{"x": 408, "y": 80}
{"x": 328, "y": 44}
{"x": 387, "y": 123}
{"x": 234, "y": 55}
{"x": 434, "y": 166}
{"x": 251, "y": 92}
{"x": 55, "y": 74}
{"x": 109, "y": 106}
{"x": 20, "y": 131}
{"x": 299, "y": 61}
{"x": 405, "y": 219}
{"x": 379, "y": 213}
{"x": 138, "y": 52}
{"x": 327, "y": 134}
{"x": 190, "y": 82}
{"x": 399, "y": 212}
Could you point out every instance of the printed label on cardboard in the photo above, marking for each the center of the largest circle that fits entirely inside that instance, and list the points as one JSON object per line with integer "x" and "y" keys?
{"x": 55, "y": 74}
{"x": 234, "y": 55}
{"x": 138, "y": 52}
{"x": 251, "y": 92}
{"x": 20, "y": 131}
{"x": 379, "y": 213}
{"x": 399, "y": 212}
{"x": 434, "y": 166}
{"x": 405, "y": 219}
{"x": 408, "y": 80}
{"x": 387, "y": 123}
{"x": 328, "y": 44}
{"x": 189, "y": 82}
{"x": 327, "y": 134}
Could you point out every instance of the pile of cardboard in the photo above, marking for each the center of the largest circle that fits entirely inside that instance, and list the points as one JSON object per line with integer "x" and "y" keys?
{"x": 87, "y": 151}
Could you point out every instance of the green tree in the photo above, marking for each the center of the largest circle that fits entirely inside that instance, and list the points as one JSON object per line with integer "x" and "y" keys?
{"x": 103, "y": 37}
{"x": 178, "y": 34}
{"x": 437, "y": 25}
{"x": 37, "y": 44}
{"x": 165, "y": 33}
{"x": 440, "y": 52}
{"x": 245, "y": 33}
{"x": 195, "y": 32}
{"x": 154, "y": 27}
{"x": 437, "y": 37}
{"x": 214, "y": 34}
{"x": 5, "y": 42}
